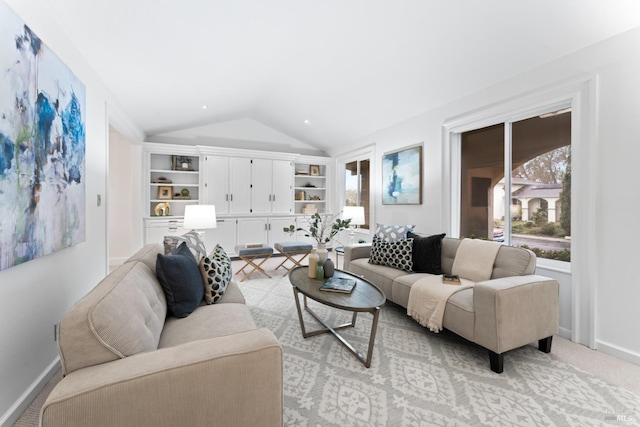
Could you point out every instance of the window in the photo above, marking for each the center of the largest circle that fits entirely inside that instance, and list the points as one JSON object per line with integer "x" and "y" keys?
{"x": 515, "y": 184}
{"x": 356, "y": 186}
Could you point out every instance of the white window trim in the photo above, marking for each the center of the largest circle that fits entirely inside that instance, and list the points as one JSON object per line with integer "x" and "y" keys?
{"x": 364, "y": 153}
{"x": 580, "y": 94}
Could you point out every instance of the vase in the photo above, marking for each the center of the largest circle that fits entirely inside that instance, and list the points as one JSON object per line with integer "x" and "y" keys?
{"x": 313, "y": 263}
{"x": 329, "y": 268}
{"x": 322, "y": 252}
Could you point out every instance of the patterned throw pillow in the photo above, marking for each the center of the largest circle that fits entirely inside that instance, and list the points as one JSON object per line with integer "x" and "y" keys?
{"x": 194, "y": 242}
{"x": 392, "y": 254}
{"x": 216, "y": 274}
{"x": 392, "y": 233}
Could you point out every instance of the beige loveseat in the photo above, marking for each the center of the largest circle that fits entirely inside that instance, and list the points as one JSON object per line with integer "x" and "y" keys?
{"x": 512, "y": 309}
{"x": 127, "y": 364}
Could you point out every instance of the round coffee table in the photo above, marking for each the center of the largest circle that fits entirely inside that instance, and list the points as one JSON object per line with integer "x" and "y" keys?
{"x": 365, "y": 297}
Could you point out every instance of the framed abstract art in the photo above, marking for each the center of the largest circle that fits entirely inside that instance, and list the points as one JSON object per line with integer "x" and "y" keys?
{"x": 402, "y": 176}
{"x": 42, "y": 147}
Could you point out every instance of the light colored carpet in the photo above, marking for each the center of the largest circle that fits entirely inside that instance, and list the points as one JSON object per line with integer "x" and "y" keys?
{"x": 418, "y": 378}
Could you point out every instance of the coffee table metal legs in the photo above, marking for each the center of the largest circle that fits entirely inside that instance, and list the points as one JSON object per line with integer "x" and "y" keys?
{"x": 334, "y": 329}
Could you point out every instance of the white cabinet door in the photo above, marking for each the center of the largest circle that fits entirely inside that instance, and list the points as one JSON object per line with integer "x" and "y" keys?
{"x": 282, "y": 187}
{"x": 224, "y": 235}
{"x": 239, "y": 185}
{"x": 252, "y": 230}
{"x": 276, "y": 230}
{"x": 156, "y": 230}
{"x": 217, "y": 183}
{"x": 261, "y": 178}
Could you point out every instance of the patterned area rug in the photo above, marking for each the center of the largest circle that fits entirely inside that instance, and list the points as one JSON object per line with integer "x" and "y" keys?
{"x": 418, "y": 378}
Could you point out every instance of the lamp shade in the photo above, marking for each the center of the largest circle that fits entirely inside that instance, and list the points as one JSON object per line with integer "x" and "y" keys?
{"x": 356, "y": 213}
{"x": 200, "y": 217}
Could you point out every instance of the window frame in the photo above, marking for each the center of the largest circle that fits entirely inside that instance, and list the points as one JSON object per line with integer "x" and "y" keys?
{"x": 364, "y": 153}
{"x": 580, "y": 94}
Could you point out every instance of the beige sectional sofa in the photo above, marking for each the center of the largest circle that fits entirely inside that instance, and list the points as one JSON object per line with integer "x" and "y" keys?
{"x": 513, "y": 308}
{"x": 127, "y": 363}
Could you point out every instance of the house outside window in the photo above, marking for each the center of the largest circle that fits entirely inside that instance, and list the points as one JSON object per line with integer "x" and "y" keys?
{"x": 537, "y": 184}
{"x": 357, "y": 175}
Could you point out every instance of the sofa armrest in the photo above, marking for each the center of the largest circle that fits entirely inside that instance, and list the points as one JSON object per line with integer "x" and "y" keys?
{"x": 234, "y": 380}
{"x": 351, "y": 252}
{"x": 514, "y": 311}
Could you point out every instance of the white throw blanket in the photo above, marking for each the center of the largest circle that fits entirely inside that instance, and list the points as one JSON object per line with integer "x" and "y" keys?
{"x": 428, "y": 296}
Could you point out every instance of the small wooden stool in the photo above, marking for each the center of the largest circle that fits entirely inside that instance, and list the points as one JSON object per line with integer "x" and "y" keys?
{"x": 290, "y": 250}
{"x": 248, "y": 255}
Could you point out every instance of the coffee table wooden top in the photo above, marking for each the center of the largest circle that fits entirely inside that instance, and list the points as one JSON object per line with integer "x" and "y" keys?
{"x": 365, "y": 296}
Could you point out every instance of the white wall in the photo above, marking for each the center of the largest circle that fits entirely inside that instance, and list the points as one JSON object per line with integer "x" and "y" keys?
{"x": 615, "y": 67}
{"x": 34, "y": 295}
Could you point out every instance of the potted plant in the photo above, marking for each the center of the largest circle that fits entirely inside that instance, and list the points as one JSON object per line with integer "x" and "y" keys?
{"x": 322, "y": 227}
{"x": 184, "y": 162}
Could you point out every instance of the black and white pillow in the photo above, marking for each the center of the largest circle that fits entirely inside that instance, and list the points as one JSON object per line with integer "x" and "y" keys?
{"x": 392, "y": 233}
{"x": 194, "y": 243}
{"x": 392, "y": 254}
{"x": 216, "y": 274}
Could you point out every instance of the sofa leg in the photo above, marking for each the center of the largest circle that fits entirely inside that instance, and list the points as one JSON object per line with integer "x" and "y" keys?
{"x": 544, "y": 344}
{"x": 497, "y": 361}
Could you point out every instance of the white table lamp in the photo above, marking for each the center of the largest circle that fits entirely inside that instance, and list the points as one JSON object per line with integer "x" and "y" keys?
{"x": 356, "y": 213}
{"x": 200, "y": 217}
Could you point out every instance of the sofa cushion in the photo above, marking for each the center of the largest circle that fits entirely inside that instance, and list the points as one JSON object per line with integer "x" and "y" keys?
{"x": 427, "y": 253}
{"x": 181, "y": 281}
{"x": 216, "y": 274}
{"x": 193, "y": 240}
{"x": 380, "y": 275}
{"x": 392, "y": 233}
{"x": 208, "y": 321}
{"x": 392, "y": 254}
{"x": 122, "y": 316}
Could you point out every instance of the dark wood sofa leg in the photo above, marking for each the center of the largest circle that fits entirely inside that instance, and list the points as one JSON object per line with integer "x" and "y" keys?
{"x": 497, "y": 361}
{"x": 544, "y": 344}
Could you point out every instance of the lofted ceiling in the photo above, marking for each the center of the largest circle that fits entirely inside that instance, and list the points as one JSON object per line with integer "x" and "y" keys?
{"x": 346, "y": 67}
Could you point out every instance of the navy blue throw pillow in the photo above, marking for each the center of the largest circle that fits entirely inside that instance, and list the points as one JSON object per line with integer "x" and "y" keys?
{"x": 427, "y": 253}
{"x": 181, "y": 281}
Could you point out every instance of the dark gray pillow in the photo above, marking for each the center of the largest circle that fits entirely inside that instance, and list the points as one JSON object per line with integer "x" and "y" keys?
{"x": 427, "y": 253}
{"x": 181, "y": 281}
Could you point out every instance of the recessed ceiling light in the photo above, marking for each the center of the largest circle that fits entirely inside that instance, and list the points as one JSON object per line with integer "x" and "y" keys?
{"x": 204, "y": 107}
{"x": 306, "y": 121}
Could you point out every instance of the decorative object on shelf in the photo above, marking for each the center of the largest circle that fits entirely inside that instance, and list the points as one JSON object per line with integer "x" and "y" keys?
{"x": 402, "y": 177}
{"x": 356, "y": 213}
{"x": 314, "y": 197}
{"x": 300, "y": 171}
{"x": 301, "y": 195}
{"x": 162, "y": 209}
{"x": 329, "y": 268}
{"x": 200, "y": 217}
{"x": 181, "y": 163}
{"x": 322, "y": 227}
{"x": 309, "y": 209}
{"x": 314, "y": 170}
{"x": 182, "y": 195}
{"x": 313, "y": 263}
{"x": 309, "y": 185}
{"x": 165, "y": 192}
{"x": 162, "y": 180}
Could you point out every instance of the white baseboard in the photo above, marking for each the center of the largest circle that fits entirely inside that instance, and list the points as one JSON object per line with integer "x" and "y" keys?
{"x": 23, "y": 402}
{"x": 565, "y": 333}
{"x": 619, "y": 352}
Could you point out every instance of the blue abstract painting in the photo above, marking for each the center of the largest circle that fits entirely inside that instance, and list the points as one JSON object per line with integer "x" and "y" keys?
{"x": 402, "y": 177}
{"x": 42, "y": 147}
